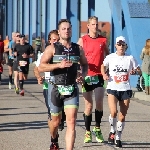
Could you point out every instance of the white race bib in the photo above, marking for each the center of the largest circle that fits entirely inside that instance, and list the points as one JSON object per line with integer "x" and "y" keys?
{"x": 22, "y": 63}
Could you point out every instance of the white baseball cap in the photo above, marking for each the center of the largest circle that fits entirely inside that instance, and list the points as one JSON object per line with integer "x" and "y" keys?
{"x": 120, "y": 38}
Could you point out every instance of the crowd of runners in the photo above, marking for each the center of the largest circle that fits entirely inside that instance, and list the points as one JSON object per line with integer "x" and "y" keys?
{"x": 60, "y": 62}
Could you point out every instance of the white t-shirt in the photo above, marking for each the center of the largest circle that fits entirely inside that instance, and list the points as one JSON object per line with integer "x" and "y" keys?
{"x": 47, "y": 74}
{"x": 119, "y": 71}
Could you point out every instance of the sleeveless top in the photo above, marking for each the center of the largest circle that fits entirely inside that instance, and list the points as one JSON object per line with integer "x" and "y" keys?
{"x": 94, "y": 52}
{"x": 66, "y": 76}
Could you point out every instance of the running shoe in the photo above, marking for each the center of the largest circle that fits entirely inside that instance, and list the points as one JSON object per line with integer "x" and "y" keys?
{"x": 88, "y": 137}
{"x": 111, "y": 138}
{"x": 98, "y": 134}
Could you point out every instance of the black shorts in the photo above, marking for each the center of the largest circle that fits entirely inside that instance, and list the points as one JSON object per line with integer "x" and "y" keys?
{"x": 10, "y": 62}
{"x": 88, "y": 88}
{"x": 24, "y": 69}
{"x": 15, "y": 66}
{"x": 120, "y": 95}
{"x": 68, "y": 101}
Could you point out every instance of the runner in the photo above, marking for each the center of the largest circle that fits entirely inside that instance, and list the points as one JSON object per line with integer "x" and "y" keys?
{"x": 5, "y": 54}
{"x": 120, "y": 67}
{"x": 95, "y": 47}
{"x": 23, "y": 51}
{"x": 11, "y": 58}
{"x": 52, "y": 38}
{"x": 63, "y": 57}
{"x": 15, "y": 64}
{"x": 1, "y": 57}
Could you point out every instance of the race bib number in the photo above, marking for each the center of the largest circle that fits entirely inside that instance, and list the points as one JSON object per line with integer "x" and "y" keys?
{"x": 65, "y": 90}
{"x": 121, "y": 78}
{"x": 91, "y": 80}
{"x": 22, "y": 63}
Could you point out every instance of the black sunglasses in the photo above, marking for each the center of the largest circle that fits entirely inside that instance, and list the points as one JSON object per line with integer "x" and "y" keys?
{"x": 121, "y": 44}
{"x": 21, "y": 36}
{"x": 18, "y": 35}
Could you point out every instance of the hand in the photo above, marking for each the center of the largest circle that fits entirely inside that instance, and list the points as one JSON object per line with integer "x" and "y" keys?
{"x": 24, "y": 55}
{"x": 40, "y": 80}
{"x": 133, "y": 72}
{"x": 80, "y": 79}
{"x": 105, "y": 77}
{"x": 65, "y": 64}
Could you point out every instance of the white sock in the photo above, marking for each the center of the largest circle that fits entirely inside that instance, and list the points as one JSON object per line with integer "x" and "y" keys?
{"x": 120, "y": 127}
{"x": 112, "y": 122}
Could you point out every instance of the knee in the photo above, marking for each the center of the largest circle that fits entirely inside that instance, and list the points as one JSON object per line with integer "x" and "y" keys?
{"x": 56, "y": 123}
{"x": 114, "y": 114}
{"x": 71, "y": 123}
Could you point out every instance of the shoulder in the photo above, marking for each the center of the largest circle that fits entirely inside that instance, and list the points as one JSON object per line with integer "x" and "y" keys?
{"x": 102, "y": 38}
{"x": 111, "y": 55}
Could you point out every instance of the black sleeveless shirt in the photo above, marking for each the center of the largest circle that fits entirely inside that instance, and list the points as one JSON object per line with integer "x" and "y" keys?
{"x": 66, "y": 76}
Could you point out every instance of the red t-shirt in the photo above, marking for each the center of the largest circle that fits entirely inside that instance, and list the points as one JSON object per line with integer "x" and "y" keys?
{"x": 94, "y": 52}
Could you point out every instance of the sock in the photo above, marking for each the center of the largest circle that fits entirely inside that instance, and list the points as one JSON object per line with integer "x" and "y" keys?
{"x": 21, "y": 84}
{"x": 10, "y": 79}
{"x": 88, "y": 120}
{"x": 98, "y": 117}
{"x": 120, "y": 127}
{"x": 112, "y": 122}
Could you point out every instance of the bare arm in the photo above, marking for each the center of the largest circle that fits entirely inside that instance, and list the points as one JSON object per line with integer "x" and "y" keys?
{"x": 103, "y": 71}
{"x": 36, "y": 72}
{"x": 80, "y": 42}
{"x": 83, "y": 63}
{"x": 45, "y": 59}
{"x": 142, "y": 54}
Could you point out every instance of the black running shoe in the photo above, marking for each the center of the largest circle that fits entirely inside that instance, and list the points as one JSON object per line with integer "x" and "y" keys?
{"x": 54, "y": 146}
{"x": 111, "y": 138}
{"x": 118, "y": 144}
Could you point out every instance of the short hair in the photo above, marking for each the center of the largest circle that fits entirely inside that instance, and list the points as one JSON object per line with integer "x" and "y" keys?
{"x": 13, "y": 33}
{"x": 92, "y": 18}
{"x": 52, "y": 32}
{"x": 62, "y": 21}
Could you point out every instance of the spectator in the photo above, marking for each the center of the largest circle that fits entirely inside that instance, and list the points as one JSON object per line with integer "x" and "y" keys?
{"x": 38, "y": 47}
{"x": 145, "y": 56}
{"x": 6, "y": 44}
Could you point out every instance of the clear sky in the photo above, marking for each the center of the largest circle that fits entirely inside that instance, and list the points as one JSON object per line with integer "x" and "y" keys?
{"x": 102, "y": 10}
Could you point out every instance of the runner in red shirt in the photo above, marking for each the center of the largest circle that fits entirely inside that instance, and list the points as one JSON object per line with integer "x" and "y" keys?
{"x": 1, "y": 56}
{"x": 95, "y": 47}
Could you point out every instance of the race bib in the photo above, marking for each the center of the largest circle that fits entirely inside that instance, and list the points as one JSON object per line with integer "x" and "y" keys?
{"x": 91, "y": 80}
{"x": 47, "y": 75}
{"x": 121, "y": 78}
{"x": 22, "y": 63}
{"x": 65, "y": 90}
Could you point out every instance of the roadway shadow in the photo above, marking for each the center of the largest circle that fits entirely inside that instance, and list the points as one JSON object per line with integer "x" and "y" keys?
{"x": 137, "y": 144}
{"x": 16, "y": 126}
{"x": 22, "y": 114}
